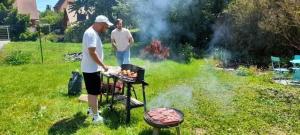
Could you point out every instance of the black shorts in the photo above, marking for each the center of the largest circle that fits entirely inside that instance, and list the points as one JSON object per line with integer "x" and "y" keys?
{"x": 92, "y": 83}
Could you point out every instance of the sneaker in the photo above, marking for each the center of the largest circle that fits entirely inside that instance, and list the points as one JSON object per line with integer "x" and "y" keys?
{"x": 90, "y": 112}
{"x": 97, "y": 119}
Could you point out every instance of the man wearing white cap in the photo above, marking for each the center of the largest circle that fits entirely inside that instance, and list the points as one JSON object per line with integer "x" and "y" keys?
{"x": 92, "y": 63}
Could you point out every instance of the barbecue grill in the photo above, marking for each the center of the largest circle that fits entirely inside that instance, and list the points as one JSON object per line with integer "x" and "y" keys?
{"x": 133, "y": 68}
{"x": 157, "y": 125}
{"x": 129, "y": 81}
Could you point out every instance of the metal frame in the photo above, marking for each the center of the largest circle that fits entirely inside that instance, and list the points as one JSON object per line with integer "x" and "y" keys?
{"x": 7, "y": 30}
{"x": 129, "y": 85}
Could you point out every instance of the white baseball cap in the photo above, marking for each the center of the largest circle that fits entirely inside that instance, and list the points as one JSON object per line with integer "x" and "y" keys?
{"x": 102, "y": 18}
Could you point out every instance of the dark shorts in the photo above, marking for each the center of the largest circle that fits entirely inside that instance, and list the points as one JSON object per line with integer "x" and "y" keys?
{"x": 92, "y": 83}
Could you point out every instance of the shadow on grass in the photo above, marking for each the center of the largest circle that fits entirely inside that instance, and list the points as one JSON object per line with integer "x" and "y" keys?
{"x": 116, "y": 117}
{"x": 69, "y": 125}
{"x": 150, "y": 132}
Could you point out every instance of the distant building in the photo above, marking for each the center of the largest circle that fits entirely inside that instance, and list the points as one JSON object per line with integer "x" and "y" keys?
{"x": 70, "y": 17}
{"x": 28, "y": 7}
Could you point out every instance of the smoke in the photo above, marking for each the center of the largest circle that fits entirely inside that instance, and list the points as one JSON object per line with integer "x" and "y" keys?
{"x": 154, "y": 16}
{"x": 221, "y": 32}
{"x": 220, "y": 39}
{"x": 218, "y": 91}
{"x": 222, "y": 54}
{"x": 179, "y": 97}
{"x": 153, "y": 22}
{"x": 207, "y": 84}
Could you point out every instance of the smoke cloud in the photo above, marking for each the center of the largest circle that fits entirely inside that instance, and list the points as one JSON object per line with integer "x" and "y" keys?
{"x": 153, "y": 16}
{"x": 219, "y": 41}
{"x": 180, "y": 97}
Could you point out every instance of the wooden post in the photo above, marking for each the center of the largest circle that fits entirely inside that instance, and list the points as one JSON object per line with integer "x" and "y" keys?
{"x": 41, "y": 48}
{"x": 49, "y": 26}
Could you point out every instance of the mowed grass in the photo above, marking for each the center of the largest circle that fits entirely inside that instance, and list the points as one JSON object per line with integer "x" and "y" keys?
{"x": 34, "y": 98}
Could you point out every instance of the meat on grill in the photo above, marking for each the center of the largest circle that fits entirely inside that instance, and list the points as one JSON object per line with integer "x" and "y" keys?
{"x": 164, "y": 115}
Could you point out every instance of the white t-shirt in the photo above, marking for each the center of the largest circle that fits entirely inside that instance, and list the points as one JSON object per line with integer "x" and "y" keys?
{"x": 122, "y": 38}
{"x": 91, "y": 39}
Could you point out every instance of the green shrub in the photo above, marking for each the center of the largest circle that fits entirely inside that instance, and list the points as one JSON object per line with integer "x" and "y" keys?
{"x": 18, "y": 58}
{"x": 28, "y": 36}
{"x": 184, "y": 52}
{"x": 244, "y": 71}
{"x": 136, "y": 34}
{"x": 75, "y": 32}
{"x": 54, "y": 37}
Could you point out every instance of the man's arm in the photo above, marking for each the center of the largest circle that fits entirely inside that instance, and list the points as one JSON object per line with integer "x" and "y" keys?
{"x": 113, "y": 43}
{"x": 93, "y": 54}
{"x": 131, "y": 40}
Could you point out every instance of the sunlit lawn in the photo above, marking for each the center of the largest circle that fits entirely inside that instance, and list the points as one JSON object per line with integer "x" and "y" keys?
{"x": 34, "y": 98}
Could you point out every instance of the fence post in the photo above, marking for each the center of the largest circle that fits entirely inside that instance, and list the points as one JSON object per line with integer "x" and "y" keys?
{"x": 41, "y": 47}
{"x": 7, "y": 29}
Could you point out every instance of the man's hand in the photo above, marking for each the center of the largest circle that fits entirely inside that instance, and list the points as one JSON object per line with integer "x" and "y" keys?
{"x": 115, "y": 48}
{"x": 113, "y": 43}
{"x": 105, "y": 68}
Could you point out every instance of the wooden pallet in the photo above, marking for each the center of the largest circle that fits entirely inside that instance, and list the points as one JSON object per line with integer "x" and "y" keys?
{"x": 83, "y": 98}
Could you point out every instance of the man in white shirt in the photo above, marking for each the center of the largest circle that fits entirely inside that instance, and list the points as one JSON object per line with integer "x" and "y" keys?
{"x": 121, "y": 40}
{"x": 92, "y": 63}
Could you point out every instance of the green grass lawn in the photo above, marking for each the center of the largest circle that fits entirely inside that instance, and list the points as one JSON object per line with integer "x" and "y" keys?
{"x": 34, "y": 98}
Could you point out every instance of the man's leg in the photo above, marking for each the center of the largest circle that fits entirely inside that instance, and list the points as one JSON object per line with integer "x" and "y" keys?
{"x": 92, "y": 82}
{"x": 126, "y": 57}
{"x": 119, "y": 57}
{"x": 93, "y": 103}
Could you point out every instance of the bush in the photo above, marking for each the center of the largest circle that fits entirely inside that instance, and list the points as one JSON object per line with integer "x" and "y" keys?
{"x": 156, "y": 51}
{"x": 28, "y": 36}
{"x": 54, "y": 37}
{"x": 184, "y": 52}
{"x": 252, "y": 31}
{"x": 75, "y": 32}
{"x": 136, "y": 34}
{"x": 71, "y": 35}
{"x": 18, "y": 58}
{"x": 244, "y": 71}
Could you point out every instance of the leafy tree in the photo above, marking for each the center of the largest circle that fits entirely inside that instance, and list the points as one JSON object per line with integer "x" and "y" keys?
{"x": 282, "y": 17}
{"x": 92, "y": 8}
{"x": 258, "y": 29}
{"x": 9, "y": 16}
{"x": 51, "y": 17}
{"x": 48, "y": 8}
{"x": 124, "y": 10}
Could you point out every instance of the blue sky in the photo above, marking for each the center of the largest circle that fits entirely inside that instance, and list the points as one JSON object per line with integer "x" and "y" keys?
{"x": 41, "y": 4}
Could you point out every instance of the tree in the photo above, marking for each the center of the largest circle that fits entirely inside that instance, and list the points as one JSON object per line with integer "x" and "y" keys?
{"x": 282, "y": 17}
{"x": 124, "y": 10}
{"x": 92, "y": 8}
{"x": 18, "y": 22}
{"x": 48, "y": 8}
{"x": 51, "y": 17}
{"x": 257, "y": 29}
